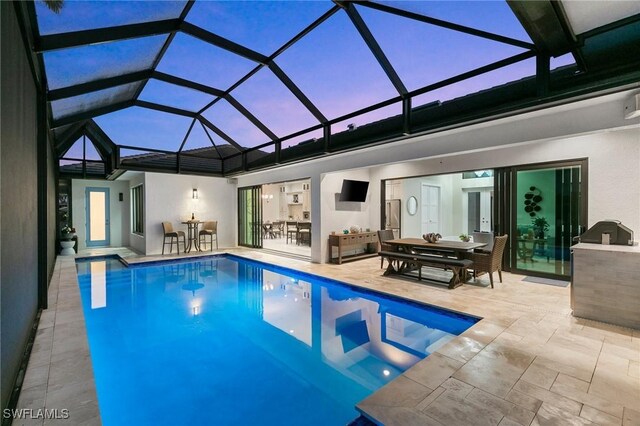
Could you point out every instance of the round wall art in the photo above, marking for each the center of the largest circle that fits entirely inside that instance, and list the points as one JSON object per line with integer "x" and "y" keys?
{"x": 532, "y": 200}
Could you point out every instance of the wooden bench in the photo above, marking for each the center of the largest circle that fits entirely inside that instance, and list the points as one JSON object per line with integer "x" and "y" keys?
{"x": 407, "y": 262}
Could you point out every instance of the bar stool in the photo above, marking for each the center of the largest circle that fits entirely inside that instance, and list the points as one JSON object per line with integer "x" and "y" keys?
{"x": 168, "y": 231}
{"x": 209, "y": 228}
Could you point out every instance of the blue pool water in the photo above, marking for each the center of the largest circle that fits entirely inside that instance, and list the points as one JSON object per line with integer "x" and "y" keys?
{"x": 227, "y": 341}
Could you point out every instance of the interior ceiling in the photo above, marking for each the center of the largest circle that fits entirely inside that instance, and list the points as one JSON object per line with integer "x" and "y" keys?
{"x": 179, "y": 85}
{"x": 588, "y": 15}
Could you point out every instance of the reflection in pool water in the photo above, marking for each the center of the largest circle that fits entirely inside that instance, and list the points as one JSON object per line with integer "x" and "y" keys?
{"x": 225, "y": 341}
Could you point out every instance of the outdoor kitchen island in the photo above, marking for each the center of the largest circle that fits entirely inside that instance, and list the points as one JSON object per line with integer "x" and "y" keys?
{"x": 606, "y": 283}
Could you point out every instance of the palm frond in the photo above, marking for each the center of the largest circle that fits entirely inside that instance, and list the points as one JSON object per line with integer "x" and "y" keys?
{"x": 54, "y": 5}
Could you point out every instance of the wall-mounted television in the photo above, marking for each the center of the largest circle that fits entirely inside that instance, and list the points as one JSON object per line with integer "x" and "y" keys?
{"x": 354, "y": 190}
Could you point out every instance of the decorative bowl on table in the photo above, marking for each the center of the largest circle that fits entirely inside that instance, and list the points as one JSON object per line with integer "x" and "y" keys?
{"x": 354, "y": 229}
{"x": 431, "y": 237}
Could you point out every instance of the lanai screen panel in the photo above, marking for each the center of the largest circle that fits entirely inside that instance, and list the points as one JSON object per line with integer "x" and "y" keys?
{"x": 85, "y": 15}
{"x": 68, "y": 67}
{"x": 492, "y": 16}
{"x": 162, "y": 93}
{"x": 510, "y": 73}
{"x": 273, "y": 104}
{"x": 236, "y": 125}
{"x": 93, "y": 100}
{"x": 193, "y": 59}
{"x": 263, "y": 26}
{"x": 424, "y": 54}
{"x": 145, "y": 128}
{"x": 334, "y": 67}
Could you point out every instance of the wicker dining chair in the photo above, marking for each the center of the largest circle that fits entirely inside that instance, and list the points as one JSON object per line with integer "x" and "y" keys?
{"x": 490, "y": 262}
{"x": 209, "y": 228}
{"x": 167, "y": 229}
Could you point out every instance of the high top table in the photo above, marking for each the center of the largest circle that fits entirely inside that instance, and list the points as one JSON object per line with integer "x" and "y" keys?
{"x": 192, "y": 234}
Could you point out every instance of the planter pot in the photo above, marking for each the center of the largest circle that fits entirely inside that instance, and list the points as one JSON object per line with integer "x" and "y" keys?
{"x": 67, "y": 248}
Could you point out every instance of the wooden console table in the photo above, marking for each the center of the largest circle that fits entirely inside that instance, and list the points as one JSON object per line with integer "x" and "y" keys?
{"x": 367, "y": 240}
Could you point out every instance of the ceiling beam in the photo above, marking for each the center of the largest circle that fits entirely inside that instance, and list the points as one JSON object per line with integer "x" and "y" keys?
{"x": 220, "y": 133}
{"x": 445, "y": 24}
{"x": 66, "y": 140}
{"x": 165, "y": 108}
{"x": 100, "y": 138}
{"x": 106, "y": 83}
{"x": 184, "y": 141}
{"x": 284, "y": 78}
{"x": 373, "y": 45}
{"x": 105, "y": 35}
{"x": 167, "y": 78}
{"x": 206, "y": 132}
{"x": 99, "y": 84}
{"x": 252, "y": 118}
{"x": 165, "y": 46}
{"x": 223, "y": 43}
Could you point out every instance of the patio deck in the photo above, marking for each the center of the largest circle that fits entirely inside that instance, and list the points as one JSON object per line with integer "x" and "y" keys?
{"x": 528, "y": 362}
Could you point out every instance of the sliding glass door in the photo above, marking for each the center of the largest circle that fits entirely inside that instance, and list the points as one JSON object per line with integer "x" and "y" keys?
{"x": 548, "y": 209}
{"x": 250, "y": 216}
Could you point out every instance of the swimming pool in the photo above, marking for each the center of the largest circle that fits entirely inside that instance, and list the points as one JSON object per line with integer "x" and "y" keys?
{"x": 224, "y": 340}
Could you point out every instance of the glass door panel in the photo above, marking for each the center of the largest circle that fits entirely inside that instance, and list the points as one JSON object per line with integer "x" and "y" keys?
{"x": 250, "y": 216}
{"x": 549, "y": 211}
{"x": 97, "y": 202}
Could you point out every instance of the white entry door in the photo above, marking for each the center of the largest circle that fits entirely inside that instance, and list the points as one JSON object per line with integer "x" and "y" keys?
{"x": 478, "y": 209}
{"x": 430, "y": 208}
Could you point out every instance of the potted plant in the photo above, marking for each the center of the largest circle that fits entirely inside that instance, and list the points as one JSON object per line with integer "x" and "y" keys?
{"x": 66, "y": 240}
{"x": 540, "y": 226}
{"x": 464, "y": 238}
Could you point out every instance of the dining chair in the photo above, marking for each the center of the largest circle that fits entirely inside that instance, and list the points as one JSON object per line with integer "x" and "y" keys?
{"x": 278, "y": 228}
{"x": 292, "y": 230}
{"x": 490, "y": 262}
{"x": 209, "y": 228}
{"x": 483, "y": 237}
{"x": 304, "y": 233}
{"x": 385, "y": 235}
{"x": 168, "y": 232}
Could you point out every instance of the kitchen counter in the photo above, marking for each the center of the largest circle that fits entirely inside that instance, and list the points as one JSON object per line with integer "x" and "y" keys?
{"x": 606, "y": 283}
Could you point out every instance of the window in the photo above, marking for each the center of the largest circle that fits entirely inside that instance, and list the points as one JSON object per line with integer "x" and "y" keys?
{"x": 137, "y": 210}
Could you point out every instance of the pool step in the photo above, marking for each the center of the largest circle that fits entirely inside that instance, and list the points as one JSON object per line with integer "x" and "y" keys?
{"x": 361, "y": 421}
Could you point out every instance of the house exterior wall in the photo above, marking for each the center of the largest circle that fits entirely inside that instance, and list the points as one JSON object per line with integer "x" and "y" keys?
{"x": 593, "y": 129}
{"x": 168, "y": 197}
{"x": 119, "y": 222}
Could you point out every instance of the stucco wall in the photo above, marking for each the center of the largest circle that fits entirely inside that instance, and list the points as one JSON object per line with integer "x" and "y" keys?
{"x": 168, "y": 197}
{"x": 118, "y": 210}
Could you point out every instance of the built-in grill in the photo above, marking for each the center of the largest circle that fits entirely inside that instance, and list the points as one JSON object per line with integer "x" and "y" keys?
{"x": 608, "y": 232}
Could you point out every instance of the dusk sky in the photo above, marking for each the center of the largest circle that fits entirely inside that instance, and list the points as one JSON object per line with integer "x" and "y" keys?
{"x": 332, "y": 65}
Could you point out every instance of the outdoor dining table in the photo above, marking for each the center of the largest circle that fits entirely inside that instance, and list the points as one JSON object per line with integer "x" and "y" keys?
{"x": 192, "y": 234}
{"x": 443, "y": 248}
{"x": 453, "y": 248}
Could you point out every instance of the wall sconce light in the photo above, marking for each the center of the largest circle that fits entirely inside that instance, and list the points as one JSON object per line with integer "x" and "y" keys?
{"x": 195, "y": 193}
{"x": 267, "y": 197}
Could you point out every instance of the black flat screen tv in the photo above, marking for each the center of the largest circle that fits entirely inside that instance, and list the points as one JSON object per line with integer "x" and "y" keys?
{"x": 354, "y": 190}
